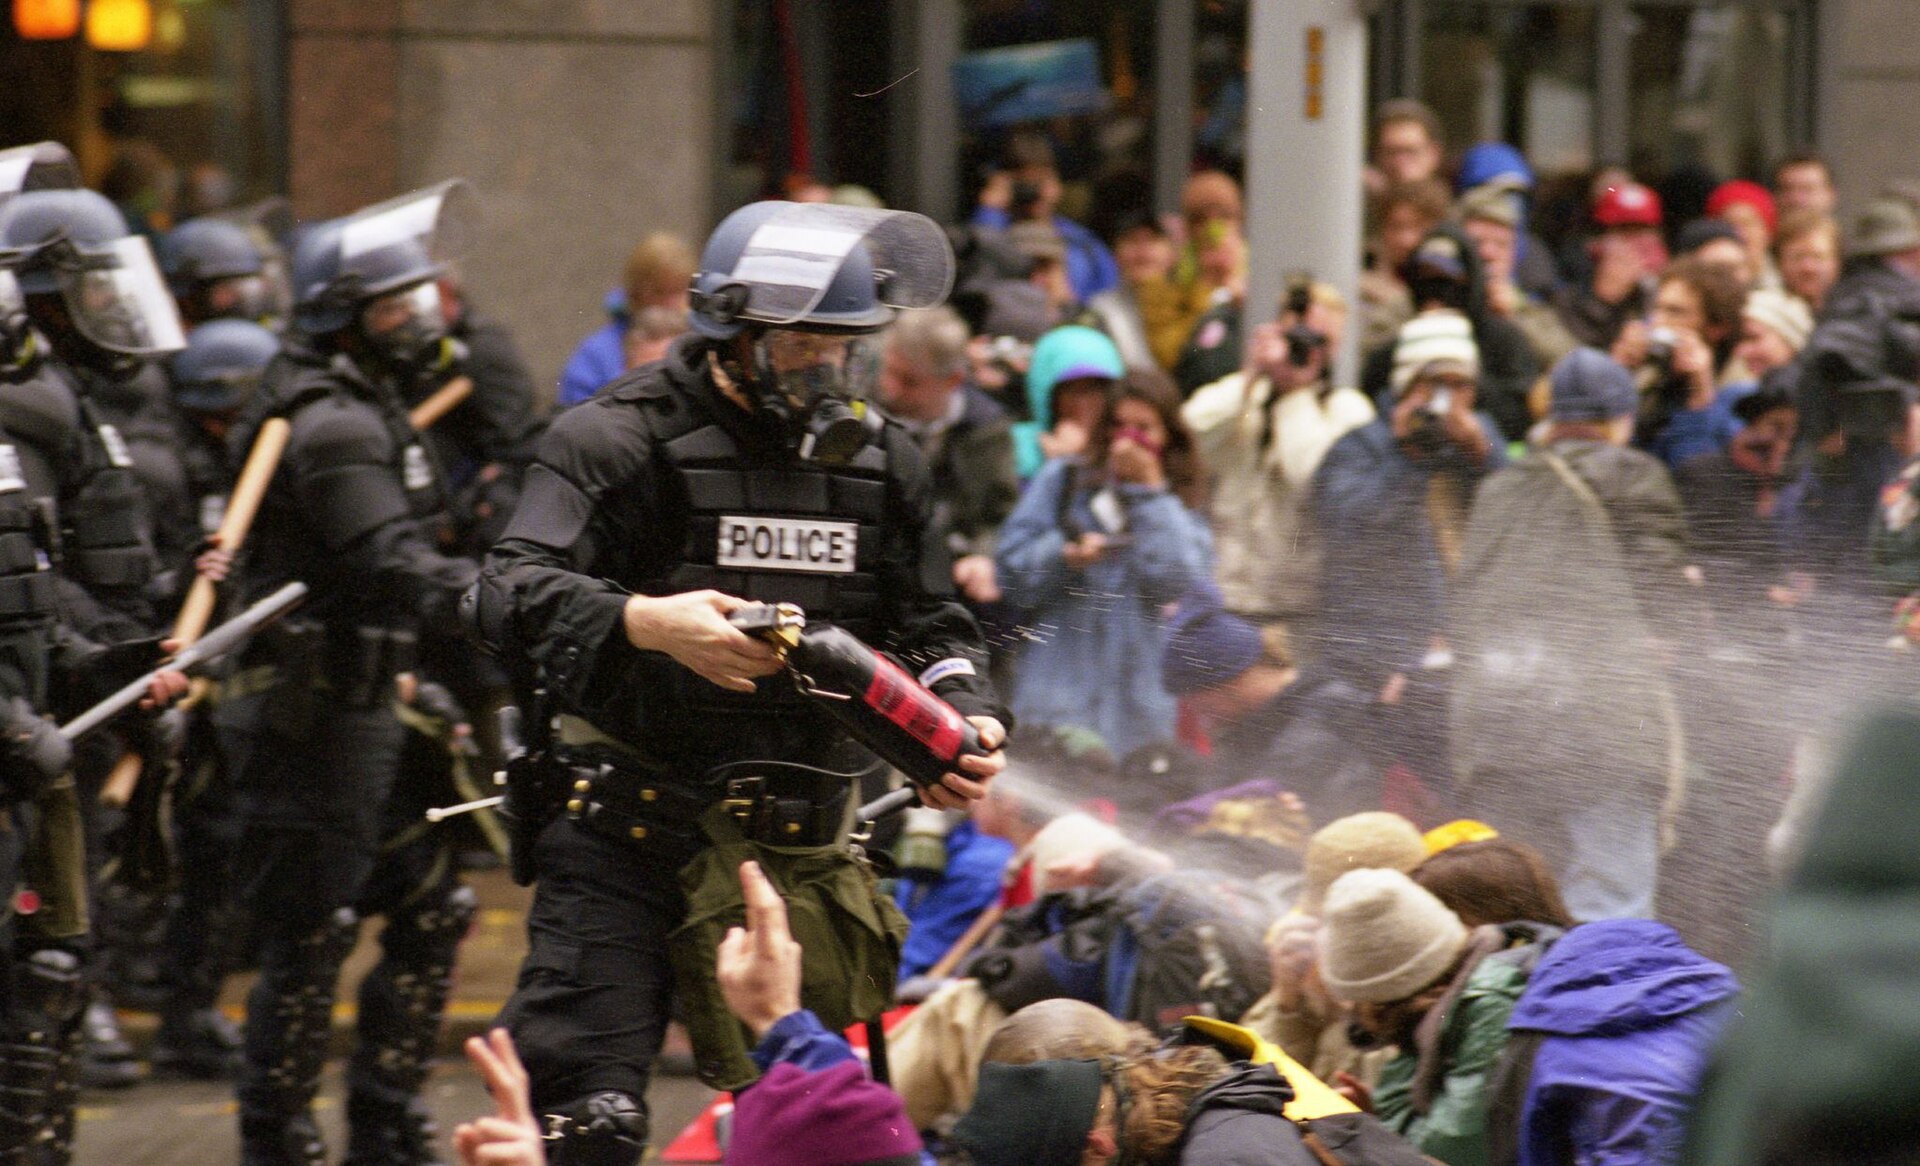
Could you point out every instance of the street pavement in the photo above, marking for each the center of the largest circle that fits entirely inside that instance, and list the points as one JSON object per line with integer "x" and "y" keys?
{"x": 174, "y": 1122}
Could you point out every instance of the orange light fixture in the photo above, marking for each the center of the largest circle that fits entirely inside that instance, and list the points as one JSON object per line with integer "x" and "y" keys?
{"x": 46, "y": 19}
{"x": 120, "y": 26}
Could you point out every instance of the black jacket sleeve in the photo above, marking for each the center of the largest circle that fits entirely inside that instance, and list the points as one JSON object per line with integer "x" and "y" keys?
{"x": 348, "y": 491}
{"x": 535, "y": 599}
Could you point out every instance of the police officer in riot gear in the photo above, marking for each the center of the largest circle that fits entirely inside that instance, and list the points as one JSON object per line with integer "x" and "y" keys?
{"x": 94, "y": 292}
{"x": 45, "y": 667}
{"x": 212, "y": 378}
{"x": 216, "y": 270}
{"x": 746, "y": 466}
{"x": 312, "y": 738}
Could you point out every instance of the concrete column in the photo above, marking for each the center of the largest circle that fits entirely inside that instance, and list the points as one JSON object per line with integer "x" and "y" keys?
{"x": 1172, "y": 101}
{"x": 1306, "y": 134}
{"x": 1612, "y": 83}
{"x": 926, "y": 123}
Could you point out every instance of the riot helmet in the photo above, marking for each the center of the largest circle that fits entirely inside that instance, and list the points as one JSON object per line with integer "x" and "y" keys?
{"x": 221, "y": 365}
{"x": 793, "y": 292}
{"x": 40, "y": 166}
{"x": 216, "y": 269}
{"x": 89, "y": 282}
{"x": 372, "y": 273}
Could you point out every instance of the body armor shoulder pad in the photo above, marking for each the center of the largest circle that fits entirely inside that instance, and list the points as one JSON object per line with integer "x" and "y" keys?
{"x": 41, "y": 411}
{"x": 339, "y": 431}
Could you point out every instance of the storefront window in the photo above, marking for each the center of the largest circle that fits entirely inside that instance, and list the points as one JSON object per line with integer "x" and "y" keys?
{"x": 192, "y": 121}
{"x": 1514, "y": 73}
{"x": 1664, "y": 86}
{"x": 1710, "y": 88}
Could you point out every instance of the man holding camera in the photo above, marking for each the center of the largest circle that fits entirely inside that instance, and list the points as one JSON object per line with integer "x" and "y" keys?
{"x": 1263, "y": 432}
{"x": 1390, "y": 507}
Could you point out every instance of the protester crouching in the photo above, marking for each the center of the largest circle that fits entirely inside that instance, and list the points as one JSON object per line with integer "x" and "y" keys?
{"x": 1417, "y": 978}
{"x": 1298, "y": 1014}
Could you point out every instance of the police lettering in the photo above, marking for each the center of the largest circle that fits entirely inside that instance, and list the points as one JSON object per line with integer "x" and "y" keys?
{"x": 787, "y": 544}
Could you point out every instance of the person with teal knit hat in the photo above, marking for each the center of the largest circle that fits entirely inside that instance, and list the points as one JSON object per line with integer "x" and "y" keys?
{"x": 1072, "y": 372}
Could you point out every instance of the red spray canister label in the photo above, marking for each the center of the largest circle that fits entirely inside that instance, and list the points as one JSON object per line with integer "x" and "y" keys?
{"x": 877, "y": 701}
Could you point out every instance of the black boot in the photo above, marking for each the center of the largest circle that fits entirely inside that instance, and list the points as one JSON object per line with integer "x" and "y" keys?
{"x": 281, "y": 1140}
{"x": 106, "y": 1059}
{"x": 202, "y": 1044}
{"x": 386, "y": 1134}
{"x": 289, "y": 1025}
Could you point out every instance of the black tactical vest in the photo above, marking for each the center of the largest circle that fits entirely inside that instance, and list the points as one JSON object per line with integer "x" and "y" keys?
{"x": 791, "y": 532}
{"x": 106, "y": 540}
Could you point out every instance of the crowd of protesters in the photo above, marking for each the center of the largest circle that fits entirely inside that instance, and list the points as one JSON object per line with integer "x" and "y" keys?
{"x": 1424, "y": 732}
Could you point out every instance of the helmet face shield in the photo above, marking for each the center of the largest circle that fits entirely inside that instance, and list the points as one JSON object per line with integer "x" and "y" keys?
{"x": 12, "y": 302}
{"x": 792, "y": 261}
{"x": 41, "y": 166}
{"x": 407, "y": 239}
{"x": 118, "y": 299}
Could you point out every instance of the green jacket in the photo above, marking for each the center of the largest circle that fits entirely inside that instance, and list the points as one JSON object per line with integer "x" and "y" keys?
{"x": 1823, "y": 1062}
{"x": 1471, "y": 1037}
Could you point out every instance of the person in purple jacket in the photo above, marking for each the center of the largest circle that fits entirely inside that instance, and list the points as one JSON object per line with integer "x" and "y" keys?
{"x": 1610, "y": 1040}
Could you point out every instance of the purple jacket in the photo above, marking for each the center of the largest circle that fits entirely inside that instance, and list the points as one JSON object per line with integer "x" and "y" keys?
{"x": 1628, "y": 1014}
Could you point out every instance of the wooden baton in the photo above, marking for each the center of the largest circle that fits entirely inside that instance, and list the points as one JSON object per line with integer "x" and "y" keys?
{"x": 443, "y": 402}
{"x": 242, "y": 505}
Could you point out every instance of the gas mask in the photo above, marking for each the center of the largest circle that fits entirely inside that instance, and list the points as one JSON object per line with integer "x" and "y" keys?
{"x": 816, "y": 386}
{"x": 405, "y": 328}
{"x": 246, "y": 297}
{"x": 19, "y": 347}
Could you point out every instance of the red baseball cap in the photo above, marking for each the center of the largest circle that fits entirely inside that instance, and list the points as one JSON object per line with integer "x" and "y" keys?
{"x": 1741, "y": 191}
{"x": 1627, "y": 205}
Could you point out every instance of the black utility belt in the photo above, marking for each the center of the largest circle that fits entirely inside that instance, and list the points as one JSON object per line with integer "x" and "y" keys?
{"x": 616, "y": 796}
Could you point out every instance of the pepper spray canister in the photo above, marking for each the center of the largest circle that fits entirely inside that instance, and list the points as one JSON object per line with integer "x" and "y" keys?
{"x": 877, "y": 701}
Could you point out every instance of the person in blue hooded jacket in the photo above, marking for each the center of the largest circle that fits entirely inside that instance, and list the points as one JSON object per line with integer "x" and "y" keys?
{"x": 1098, "y": 545}
{"x": 657, "y": 275}
{"x": 1499, "y": 164}
{"x": 1611, "y": 1038}
{"x": 1069, "y": 378}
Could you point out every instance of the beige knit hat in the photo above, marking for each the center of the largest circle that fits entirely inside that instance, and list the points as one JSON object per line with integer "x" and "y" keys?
{"x": 1385, "y": 937}
{"x": 1357, "y": 842}
{"x": 1788, "y": 316}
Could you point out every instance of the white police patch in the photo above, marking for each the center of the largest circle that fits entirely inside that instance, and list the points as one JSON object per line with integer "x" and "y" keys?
{"x": 116, "y": 446}
{"x": 415, "y": 473}
{"x": 788, "y": 544}
{"x": 213, "y": 512}
{"x": 10, "y": 476}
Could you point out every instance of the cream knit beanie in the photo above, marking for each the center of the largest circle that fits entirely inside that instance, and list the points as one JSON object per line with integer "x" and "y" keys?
{"x": 1385, "y": 937}
{"x": 1442, "y": 336}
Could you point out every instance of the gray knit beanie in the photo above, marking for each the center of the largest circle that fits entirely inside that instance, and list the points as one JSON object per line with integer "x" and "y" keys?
{"x": 1385, "y": 937}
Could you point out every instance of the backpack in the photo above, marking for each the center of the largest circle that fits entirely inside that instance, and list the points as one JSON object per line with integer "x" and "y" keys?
{"x": 1186, "y": 943}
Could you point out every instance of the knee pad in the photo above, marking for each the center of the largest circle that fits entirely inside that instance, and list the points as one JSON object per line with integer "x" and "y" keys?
{"x": 333, "y": 940}
{"x": 48, "y": 992}
{"x": 452, "y": 916}
{"x": 602, "y": 1129}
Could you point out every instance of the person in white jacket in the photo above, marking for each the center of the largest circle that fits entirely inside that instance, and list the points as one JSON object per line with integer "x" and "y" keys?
{"x": 1262, "y": 432}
